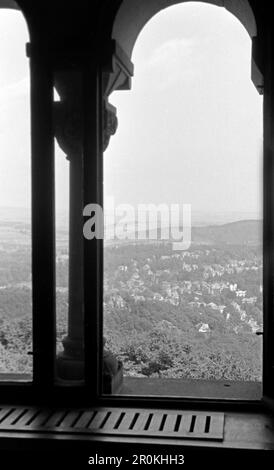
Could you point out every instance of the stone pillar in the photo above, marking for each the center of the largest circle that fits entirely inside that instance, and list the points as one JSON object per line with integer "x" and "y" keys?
{"x": 68, "y": 131}
{"x": 69, "y": 134}
{"x": 70, "y": 363}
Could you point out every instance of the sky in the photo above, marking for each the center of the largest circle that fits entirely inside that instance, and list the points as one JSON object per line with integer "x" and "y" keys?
{"x": 15, "y": 168}
{"x": 190, "y": 130}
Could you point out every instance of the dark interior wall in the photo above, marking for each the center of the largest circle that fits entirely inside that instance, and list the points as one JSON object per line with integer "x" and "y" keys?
{"x": 67, "y": 25}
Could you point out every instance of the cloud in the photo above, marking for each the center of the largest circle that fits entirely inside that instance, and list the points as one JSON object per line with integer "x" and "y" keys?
{"x": 173, "y": 61}
{"x": 171, "y": 51}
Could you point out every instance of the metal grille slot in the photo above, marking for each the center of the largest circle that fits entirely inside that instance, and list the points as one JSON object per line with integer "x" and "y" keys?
{"x": 112, "y": 421}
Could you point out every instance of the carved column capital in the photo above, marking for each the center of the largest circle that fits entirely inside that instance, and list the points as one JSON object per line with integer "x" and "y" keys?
{"x": 68, "y": 128}
{"x": 68, "y": 120}
{"x": 117, "y": 76}
{"x": 110, "y": 123}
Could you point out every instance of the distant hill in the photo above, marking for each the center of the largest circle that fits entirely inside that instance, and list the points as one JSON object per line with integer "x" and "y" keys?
{"x": 243, "y": 232}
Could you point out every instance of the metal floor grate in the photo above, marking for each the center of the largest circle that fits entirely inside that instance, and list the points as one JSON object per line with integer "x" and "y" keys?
{"x": 113, "y": 421}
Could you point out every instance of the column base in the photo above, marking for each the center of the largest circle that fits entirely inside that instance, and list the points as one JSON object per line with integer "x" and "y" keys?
{"x": 69, "y": 369}
{"x": 113, "y": 383}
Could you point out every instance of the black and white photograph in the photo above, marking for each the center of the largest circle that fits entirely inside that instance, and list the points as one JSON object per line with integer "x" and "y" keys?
{"x": 136, "y": 233}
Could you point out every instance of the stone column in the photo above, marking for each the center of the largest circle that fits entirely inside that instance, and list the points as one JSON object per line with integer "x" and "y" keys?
{"x": 69, "y": 134}
{"x": 68, "y": 131}
{"x": 70, "y": 363}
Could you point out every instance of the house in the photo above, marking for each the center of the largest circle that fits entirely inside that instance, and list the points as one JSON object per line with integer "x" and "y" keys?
{"x": 203, "y": 328}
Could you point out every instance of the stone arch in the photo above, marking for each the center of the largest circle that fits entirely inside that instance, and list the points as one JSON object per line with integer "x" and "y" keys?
{"x": 134, "y": 14}
{"x": 9, "y": 4}
{"x": 13, "y": 5}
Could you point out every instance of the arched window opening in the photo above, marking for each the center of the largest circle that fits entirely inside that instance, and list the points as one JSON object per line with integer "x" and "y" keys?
{"x": 15, "y": 197}
{"x": 190, "y": 134}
